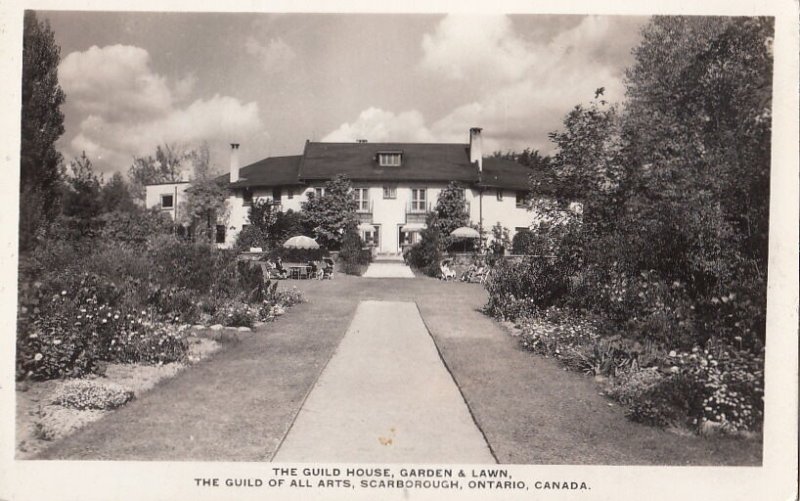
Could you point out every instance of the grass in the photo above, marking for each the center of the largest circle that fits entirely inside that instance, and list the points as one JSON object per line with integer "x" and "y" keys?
{"x": 238, "y": 405}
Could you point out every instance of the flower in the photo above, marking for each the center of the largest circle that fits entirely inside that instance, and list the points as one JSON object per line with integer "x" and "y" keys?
{"x": 38, "y": 357}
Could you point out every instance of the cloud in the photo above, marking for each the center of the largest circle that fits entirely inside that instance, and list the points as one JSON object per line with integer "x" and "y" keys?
{"x": 377, "y": 125}
{"x": 274, "y": 57}
{"x": 129, "y": 109}
{"x": 517, "y": 89}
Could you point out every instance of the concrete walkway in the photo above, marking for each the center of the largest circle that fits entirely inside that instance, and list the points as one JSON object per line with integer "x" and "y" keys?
{"x": 388, "y": 269}
{"x": 385, "y": 396}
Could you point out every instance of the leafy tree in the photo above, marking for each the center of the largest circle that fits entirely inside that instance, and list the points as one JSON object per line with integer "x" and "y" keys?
{"x": 81, "y": 197}
{"x": 115, "y": 195}
{"x": 451, "y": 212}
{"x": 262, "y": 217}
{"x": 333, "y": 214}
{"x": 166, "y": 166}
{"x": 528, "y": 157}
{"x": 42, "y": 124}
{"x": 501, "y": 239}
{"x": 590, "y": 165}
{"x": 206, "y": 199}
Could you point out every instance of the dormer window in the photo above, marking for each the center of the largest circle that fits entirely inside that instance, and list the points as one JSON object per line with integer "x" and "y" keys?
{"x": 390, "y": 158}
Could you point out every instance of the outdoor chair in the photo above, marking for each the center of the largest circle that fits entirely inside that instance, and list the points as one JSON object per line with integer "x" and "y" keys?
{"x": 447, "y": 273}
{"x": 327, "y": 268}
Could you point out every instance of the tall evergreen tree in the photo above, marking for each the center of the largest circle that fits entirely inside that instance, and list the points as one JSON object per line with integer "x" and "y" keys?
{"x": 42, "y": 124}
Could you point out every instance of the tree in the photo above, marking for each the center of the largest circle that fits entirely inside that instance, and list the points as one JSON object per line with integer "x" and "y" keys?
{"x": 115, "y": 195}
{"x": 81, "y": 199}
{"x": 166, "y": 166}
{"x": 332, "y": 214}
{"x": 206, "y": 198}
{"x": 451, "y": 212}
{"x": 42, "y": 124}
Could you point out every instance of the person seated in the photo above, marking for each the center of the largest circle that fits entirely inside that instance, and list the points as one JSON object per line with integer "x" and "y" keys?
{"x": 280, "y": 271}
{"x": 314, "y": 270}
{"x": 327, "y": 268}
{"x": 447, "y": 273}
{"x": 469, "y": 273}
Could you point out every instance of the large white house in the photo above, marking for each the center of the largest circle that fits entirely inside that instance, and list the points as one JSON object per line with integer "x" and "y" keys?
{"x": 395, "y": 184}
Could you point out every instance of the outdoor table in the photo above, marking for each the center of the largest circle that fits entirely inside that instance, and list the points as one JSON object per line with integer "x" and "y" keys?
{"x": 298, "y": 271}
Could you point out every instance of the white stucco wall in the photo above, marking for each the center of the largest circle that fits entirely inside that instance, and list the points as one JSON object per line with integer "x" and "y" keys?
{"x": 504, "y": 211}
{"x": 388, "y": 215}
{"x": 154, "y": 192}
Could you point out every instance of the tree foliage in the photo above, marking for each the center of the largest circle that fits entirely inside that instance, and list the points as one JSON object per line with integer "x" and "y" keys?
{"x": 451, "y": 212}
{"x": 42, "y": 124}
{"x": 206, "y": 198}
{"x": 331, "y": 215}
{"x": 115, "y": 195}
{"x": 674, "y": 184}
{"x": 165, "y": 166}
{"x": 82, "y": 190}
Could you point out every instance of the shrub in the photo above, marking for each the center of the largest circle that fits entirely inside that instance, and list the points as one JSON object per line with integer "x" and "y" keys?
{"x": 237, "y": 314}
{"x": 285, "y": 297}
{"x": 426, "y": 254}
{"x": 83, "y": 394}
{"x": 251, "y": 280}
{"x": 352, "y": 255}
{"x": 135, "y": 227}
{"x": 297, "y": 255}
{"x": 524, "y": 242}
{"x": 519, "y": 288}
{"x": 251, "y": 236}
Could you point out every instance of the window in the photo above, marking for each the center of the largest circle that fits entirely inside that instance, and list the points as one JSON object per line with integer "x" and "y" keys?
{"x": 499, "y": 195}
{"x": 522, "y": 199}
{"x": 362, "y": 197}
{"x": 418, "y": 199}
{"x": 319, "y": 192}
{"x": 220, "y": 234}
{"x": 276, "y": 194}
{"x": 389, "y": 192}
{"x": 247, "y": 197}
{"x": 290, "y": 193}
{"x": 372, "y": 237}
{"x": 167, "y": 201}
{"x": 390, "y": 159}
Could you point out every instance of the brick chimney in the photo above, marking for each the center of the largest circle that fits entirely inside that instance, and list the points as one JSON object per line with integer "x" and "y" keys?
{"x": 476, "y": 147}
{"x": 234, "y": 162}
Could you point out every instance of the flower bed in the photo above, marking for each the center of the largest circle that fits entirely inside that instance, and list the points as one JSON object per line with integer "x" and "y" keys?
{"x": 719, "y": 387}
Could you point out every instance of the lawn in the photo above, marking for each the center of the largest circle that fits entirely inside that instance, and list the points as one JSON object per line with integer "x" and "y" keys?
{"x": 239, "y": 404}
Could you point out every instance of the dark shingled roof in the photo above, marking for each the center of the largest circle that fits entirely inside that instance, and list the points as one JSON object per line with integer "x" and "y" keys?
{"x": 273, "y": 171}
{"x": 359, "y": 162}
{"x": 504, "y": 173}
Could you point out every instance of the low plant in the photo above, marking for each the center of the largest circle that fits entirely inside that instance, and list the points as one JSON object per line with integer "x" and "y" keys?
{"x": 85, "y": 394}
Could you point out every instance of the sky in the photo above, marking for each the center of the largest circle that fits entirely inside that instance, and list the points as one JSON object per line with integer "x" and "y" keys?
{"x": 272, "y": 81}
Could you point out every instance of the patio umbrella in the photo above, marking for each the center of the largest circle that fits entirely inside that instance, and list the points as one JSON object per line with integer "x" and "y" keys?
{"x": 301, "y": 242}
{"x": 466, "y": 233}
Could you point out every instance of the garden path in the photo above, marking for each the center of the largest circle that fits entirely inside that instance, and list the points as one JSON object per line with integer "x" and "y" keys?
{"x": 388, "y": 269}
{"x": 385, "y": 397}
{"x": 239, "y": 404}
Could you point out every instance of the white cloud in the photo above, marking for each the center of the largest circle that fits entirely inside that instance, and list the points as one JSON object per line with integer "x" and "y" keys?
{"x": 516, "y": 89}
{"x": 273, "y": 57}
{"x": 377, "y": 125}
{"x": 476, "y": 48}
{"x": 130, "y": 109}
